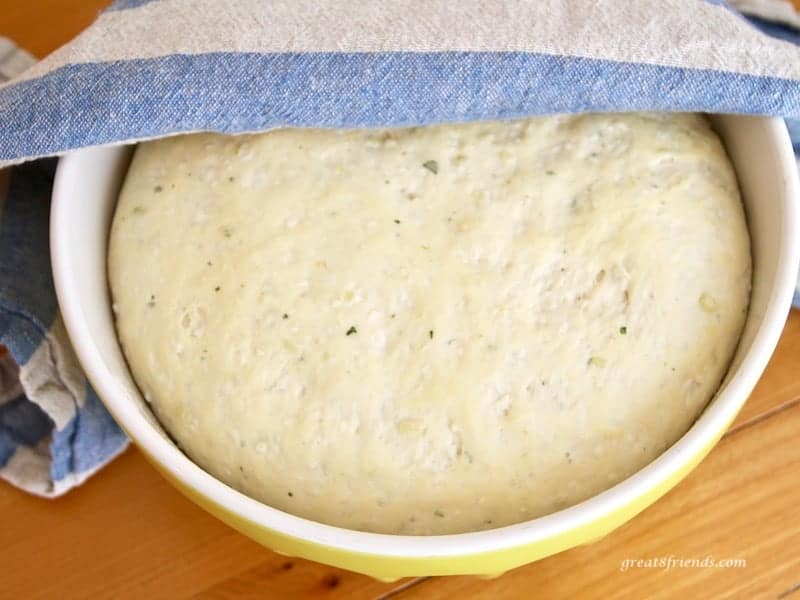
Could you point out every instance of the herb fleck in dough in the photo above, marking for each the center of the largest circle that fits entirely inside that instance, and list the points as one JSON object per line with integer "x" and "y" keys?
{"x": 431, "y": 330}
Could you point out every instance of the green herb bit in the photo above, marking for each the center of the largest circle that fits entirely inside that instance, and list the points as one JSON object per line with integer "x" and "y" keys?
{"x": 597, "y": 361}
{"x": 430, "y": 334}
{"x": 290, "y": 494}
{"x": 352, "y": 330}
{"x": 623, "y": 330}
{"x": 138, "y": 210}
{"x": 432, "y": 166}
{"x": 397, "y": 221}
{"x": 158, "y": 189}
{"x": 550, "y": 172}
{"x": 285, "y": 316}
{"x": 227, "y": 232}
{"x": 438, "y": 513}
{"x": 216, "y": 289}
{"x": 707, "y": 302}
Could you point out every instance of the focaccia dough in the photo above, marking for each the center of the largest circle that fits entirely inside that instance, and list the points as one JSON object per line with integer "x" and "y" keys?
{"x": 431, "y": 330}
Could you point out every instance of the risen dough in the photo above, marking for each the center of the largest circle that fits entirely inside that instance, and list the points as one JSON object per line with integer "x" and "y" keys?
{"x": 431, "y": 330}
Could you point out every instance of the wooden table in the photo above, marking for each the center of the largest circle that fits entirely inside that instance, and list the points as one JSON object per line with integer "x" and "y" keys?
{"x": 127, "y": 534}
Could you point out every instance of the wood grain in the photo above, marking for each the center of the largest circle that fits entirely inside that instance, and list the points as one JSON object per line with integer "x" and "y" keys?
{"x": 41, "y": 26}
{"x": 127, "y": 534}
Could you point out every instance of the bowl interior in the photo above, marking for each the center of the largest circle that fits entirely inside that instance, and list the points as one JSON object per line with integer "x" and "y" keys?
{"x": 770, "y": 194}
{"x": 84, "y": 198}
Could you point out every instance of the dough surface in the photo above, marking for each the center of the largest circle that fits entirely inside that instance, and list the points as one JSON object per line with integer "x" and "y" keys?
{"x": 431, "y": 330}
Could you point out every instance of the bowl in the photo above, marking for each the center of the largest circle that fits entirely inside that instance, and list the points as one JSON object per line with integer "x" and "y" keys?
{"x": 85, "y": 192}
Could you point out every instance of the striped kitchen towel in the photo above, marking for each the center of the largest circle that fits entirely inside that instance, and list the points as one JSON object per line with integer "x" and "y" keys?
{"x": 54, "y": 431}
{"x": 150, "y": 68}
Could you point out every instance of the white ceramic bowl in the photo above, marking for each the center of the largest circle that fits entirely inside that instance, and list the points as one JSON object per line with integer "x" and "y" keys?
{"x": 86, "y": 187}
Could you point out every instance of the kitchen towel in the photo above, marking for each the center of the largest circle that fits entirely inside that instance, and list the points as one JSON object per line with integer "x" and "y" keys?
{"x": 54, "y": 431}
{"x": 151, "y": 68}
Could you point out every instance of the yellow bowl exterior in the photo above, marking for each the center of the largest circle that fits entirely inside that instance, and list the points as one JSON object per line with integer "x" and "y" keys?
{"x": 489, "y": 564}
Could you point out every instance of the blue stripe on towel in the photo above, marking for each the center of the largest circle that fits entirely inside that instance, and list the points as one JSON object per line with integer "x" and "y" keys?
{"x": 126, "y": 4}
{"x": 7, "y": 447}
{"x": 21, "y": 422}
{"x": 236, "y": 92}
{"x": 27, "y": 303}
{"x": 86, "y": 441}
{"x": 776, "y": 30}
